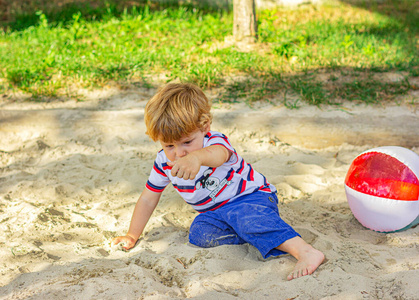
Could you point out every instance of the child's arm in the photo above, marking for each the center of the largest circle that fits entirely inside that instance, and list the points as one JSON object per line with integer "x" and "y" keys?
{"x": 188, "y": 166}
{"x": 142, "y": 212}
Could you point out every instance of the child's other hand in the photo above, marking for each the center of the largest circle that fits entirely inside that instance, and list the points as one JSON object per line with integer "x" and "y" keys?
{"x": 129, "y": 241}
{"x": 186, "y": 167}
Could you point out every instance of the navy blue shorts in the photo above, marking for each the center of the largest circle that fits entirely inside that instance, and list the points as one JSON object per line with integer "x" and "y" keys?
{"x": 252, "y": 219}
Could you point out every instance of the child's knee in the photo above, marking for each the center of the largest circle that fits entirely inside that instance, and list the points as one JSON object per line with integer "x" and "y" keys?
{"x": 198, "y": 236}
{"x": 209, "y": 232}
{"x": 208, "y": 236}
{"x": 200, "y": 242}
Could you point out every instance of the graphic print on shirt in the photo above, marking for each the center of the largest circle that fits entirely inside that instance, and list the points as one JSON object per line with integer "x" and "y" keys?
{"x": 211, "y": 183}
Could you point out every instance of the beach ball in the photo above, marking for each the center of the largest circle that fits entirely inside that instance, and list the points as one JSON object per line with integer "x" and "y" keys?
{"x": 382, "y": 188}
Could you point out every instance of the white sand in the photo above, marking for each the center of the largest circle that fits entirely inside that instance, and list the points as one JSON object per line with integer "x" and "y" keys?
{"x": 70, "y": 174}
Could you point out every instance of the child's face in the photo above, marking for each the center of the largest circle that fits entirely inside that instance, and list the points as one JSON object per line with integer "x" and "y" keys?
{"x": 185, "y": 145}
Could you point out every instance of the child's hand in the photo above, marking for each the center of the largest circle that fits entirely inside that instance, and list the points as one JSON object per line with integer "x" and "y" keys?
{"x": 186, "y": 167}
{"x": 129, "y": 241}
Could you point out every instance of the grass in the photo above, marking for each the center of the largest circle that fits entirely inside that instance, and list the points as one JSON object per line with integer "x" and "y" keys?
{"x": 51, "y": 53}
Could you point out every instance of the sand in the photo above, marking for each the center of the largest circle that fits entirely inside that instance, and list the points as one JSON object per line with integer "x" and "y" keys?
{"x": 71, "y": 172}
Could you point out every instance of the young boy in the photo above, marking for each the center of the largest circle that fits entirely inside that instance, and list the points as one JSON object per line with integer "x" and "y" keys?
{"x": 236, "y": 203}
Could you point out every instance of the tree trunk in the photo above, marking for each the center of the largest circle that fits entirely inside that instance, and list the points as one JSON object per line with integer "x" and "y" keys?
{"x": 245, "y": 27}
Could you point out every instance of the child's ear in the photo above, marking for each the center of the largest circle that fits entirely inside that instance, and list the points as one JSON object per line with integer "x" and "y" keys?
{"x": 207, "y": 127}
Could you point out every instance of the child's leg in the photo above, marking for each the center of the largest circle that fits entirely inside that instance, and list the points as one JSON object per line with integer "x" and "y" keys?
{"x": 256, "y": 219}
{"x": 207, "y": 230}
{"x": 308, "y": 258}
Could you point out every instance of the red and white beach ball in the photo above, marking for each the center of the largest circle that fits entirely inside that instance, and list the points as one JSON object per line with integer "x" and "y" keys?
{"x": 382, "y": 188}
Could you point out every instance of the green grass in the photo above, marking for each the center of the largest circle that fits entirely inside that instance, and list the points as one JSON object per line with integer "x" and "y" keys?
{"x": 48, "y": 54}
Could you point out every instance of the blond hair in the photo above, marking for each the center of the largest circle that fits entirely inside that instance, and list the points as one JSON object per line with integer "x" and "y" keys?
{"x": 177, "y": 110}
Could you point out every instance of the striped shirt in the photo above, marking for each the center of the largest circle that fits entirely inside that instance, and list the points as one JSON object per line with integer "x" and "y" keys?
{"x": 212, "y": 187}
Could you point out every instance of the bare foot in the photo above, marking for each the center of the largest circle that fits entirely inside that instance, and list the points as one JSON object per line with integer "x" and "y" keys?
{"x": 308, "y": 258}
{"x": 307, "y": 263}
